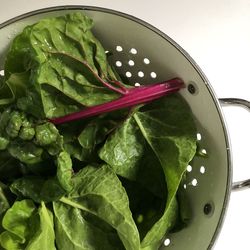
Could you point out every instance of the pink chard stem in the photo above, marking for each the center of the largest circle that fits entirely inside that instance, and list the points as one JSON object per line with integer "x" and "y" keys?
{"x": 130, "y": 98}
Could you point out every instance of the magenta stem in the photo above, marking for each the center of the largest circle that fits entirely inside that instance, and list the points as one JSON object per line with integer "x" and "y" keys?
{"x": 134, "y": 96}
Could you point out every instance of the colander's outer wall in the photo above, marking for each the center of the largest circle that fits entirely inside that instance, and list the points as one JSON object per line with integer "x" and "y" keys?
{"x": 165, "y": 59}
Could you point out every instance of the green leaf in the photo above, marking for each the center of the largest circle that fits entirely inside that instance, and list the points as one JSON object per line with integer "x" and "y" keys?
{"x": 16, "y": 221}
{"x": 26, "y": 152}
{"x": 169, "y": 128}
{"x": 27, "y": 229}
{"x": 97, "y": 194}
{"x": 64, "y": 170}
{"x": 37, "y": 189}
{"x": 124, "y": 149}
{"x": 4, "y": 203}
{"x": 95, "y": 234}
{"x": 153, "y": 147}
{"x": 127, "y": 152}
{"x": 46, "y": 134}
{"x": 6, "y": 95}
{"x": 146, "y": 207}
{"x": 82, "y": 139}
{"x": 4, "y": 119}
{"x": 17, "y": 84}
{"x": 14, "y": 124}
{"x": 65, "y": 63}
{"x": 44, "y": 236}
{"x": 10, "y": 241}
{"x": 9, "y": 167}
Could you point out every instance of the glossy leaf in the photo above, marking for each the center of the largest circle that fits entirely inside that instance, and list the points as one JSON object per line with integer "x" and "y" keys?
{"x": 43, "y": 226}
{"x": 16, "y": 224}
{"x": 168, "y": 128}
{"x": 37, "y": 189}
{"x": 64, "y": 170}
{"x": 10, "y": 241}
{"x": 124, "y": 149}
{"x": 97, "y": 193}
{"x": 65, "y": 62}
{"x": 173, "y": 139}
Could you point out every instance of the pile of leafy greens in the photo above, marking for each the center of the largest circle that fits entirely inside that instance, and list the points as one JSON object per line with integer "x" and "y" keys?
{"x": 108, "y": 182}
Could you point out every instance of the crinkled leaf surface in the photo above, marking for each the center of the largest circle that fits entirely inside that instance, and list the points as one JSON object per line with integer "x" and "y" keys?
{"x": 64, "y": 61}
{"x": 64, "y": 170}
{"x": 16, "y": 224}
{"x": 53, "y": 68}
{"x": 167, "y": 126}
{"x": 4, "y": 203}
{"x": 169, "y": 129}
{"x": 42, "y": 226}
{"x": 124, "y": 149}
{"x": 97, "y": 196}
{"x": 37, "y": 188}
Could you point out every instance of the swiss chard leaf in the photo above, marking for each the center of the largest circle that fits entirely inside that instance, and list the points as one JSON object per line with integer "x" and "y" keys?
{"x": 26, "y": 228}
{"x": 38, "y": 189}
{"x": 95, "y": 234}
{"x": 9, "y": 241}
{"x": 17, "y": 84}
{"x": 97, "y": 194}
{"x": 169, "y": 128}
{"x": 6, "y": 96}
{"x": 16, "y": 224}
{"x": 64, "y": 170}
{"x": 124, "y": 149}
{"x": 9, "y": 167}
{"x": 127, "y": 152}
{"x": 146, "y": 207}
{"x": 56, "y": 67}
{"x": 65, "y": 62}
{"x": 82, "y": 139}
{"x": 42, "y": 226}
{"x": 4, "y": 203}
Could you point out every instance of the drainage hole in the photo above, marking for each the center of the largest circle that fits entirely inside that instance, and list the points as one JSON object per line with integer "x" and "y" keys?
{"x": 167, "y": 242}
{"x": 208, "y": 209}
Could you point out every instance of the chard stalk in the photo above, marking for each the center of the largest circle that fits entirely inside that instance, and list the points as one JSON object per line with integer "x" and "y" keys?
{"x": 131, "y": 97}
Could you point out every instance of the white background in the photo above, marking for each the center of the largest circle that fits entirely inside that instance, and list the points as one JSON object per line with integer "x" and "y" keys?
{"x": 217, "y": 35}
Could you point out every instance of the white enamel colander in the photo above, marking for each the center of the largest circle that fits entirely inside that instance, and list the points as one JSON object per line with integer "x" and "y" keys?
{"x": 144, "y": 54}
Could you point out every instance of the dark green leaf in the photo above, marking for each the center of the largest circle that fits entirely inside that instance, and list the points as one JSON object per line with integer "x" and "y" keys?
{"x": 127, "y": 152}
{"x": 124, "y": 149}
{"x": 46, "y": 134}
{"x": 65, "y": 62}
{"x": 169, "y": 128}
{"x": 9, "y": 167}
{"x": 95, "y": 234}
{"x": 64, "y": 170}
{"x": 153, "y": 148}
{"x": 17, "y": 84}
{"x": 37, "y": 189}
{"x": 26, "y": 152}
{"x": 6, "y": 96}
{"x": 146, "y": 207}
{"x": 97, "y": 192}
{"x": 82, "y": 140}
{"x": 4, "y": 203}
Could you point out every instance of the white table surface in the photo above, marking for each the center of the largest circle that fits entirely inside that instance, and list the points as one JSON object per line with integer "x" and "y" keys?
{"x": 217, "y": 35}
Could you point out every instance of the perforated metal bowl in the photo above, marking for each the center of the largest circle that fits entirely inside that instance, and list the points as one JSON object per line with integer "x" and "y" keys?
{"x": 144, "y": 54}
